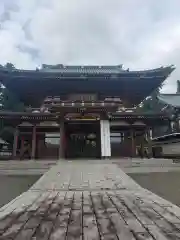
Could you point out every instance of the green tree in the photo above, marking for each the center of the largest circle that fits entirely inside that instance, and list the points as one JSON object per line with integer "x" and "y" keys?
{"x": 151, "y": 104}
{"x": 8, "y": 102}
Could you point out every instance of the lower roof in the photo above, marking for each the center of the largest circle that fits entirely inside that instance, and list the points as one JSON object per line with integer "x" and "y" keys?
{"x": 54, "y": 116}
{"x": 167, "y": 137}
{"x": 134, "y": 119}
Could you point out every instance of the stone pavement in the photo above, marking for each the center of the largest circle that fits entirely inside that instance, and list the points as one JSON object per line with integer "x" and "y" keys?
{"x": 148, "y": 165}
{"x": 91, "y": 201}
{"x": 28, "y": 167}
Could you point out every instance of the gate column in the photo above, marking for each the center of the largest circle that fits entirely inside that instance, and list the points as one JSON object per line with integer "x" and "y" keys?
{"x": 33, "y": 150}
{"x": 15, "y": 142}
{"x": 149, "y": 142}
{"x": 133, "y": 144}
{"x": 62, "y": 141}
{"x": 105, "y": 139}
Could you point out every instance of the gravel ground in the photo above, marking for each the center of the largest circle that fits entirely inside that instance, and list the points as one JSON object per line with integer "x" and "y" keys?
{"x": 12, "y": 186}
{"x": 164, "y": 184}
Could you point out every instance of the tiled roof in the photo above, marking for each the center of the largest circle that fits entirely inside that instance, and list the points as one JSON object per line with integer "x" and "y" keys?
{"x": 93, "y": 70}
{"x": 103, "y": 69}
{"x": 170, "y": 99}
{"x": 59, "y": 80}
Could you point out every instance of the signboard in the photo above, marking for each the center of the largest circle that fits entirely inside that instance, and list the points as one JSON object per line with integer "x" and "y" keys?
{"x": 49, "y": 124}
{"x": 113, "y": 99}
{"x": 82, "y": 117}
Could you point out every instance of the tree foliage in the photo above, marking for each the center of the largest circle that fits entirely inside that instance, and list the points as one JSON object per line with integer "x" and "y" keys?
{"x": 151, "y": 104}
{"x": 8, "y": 102}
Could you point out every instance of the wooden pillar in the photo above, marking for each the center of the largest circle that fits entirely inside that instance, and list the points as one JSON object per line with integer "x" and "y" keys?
{"x": 143, "y": 137}
{"x": 62, "y": 139}
{"x": 22, "y": 142}
{"x": 22, "y": 145}
{"x": 33, "y": 150}
{"x": 15, "y": 142}
{"x": 133, "y": 149}
{"x": 149, "y": 143}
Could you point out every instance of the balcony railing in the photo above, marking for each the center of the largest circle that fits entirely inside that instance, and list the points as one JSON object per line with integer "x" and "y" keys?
{"x": 55, "y": 104}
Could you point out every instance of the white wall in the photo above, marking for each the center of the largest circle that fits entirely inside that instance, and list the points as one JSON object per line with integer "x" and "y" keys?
{"x": 171, "y": 148}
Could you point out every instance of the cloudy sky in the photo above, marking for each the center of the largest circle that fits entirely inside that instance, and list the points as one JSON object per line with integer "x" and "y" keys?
{"x": 138, "y": 33}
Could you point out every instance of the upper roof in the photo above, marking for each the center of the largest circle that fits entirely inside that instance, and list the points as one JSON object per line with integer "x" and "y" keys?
{"x": 32, "y": 86}
{"x": 88, "y": 69}
{"x": 170, "y": 99}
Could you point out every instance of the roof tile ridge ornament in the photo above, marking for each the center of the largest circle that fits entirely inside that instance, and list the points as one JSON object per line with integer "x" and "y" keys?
{"x": 49, "y": 66}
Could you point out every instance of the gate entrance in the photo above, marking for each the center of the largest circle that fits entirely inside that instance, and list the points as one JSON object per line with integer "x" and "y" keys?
{"x": 83, "y": 139}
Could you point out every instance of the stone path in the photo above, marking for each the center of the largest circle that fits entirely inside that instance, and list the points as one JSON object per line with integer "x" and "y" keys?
{"x": 90, "y": 201}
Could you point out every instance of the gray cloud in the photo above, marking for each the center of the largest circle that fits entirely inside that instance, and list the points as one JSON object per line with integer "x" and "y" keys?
{"x": 140, "y": 34}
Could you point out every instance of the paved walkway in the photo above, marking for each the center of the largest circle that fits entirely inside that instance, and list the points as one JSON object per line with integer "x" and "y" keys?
{"x": 88, "y": 200}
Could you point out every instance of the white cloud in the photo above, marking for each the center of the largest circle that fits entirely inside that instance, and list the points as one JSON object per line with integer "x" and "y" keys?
{"x": 140, "y": 34}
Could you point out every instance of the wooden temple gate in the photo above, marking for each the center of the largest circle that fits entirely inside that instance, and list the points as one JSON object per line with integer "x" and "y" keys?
{"x": 107, "y": 91}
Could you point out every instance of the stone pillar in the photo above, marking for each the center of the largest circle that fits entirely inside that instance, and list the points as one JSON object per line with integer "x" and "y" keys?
{"x": 15, "y": 142}
{"x": 33, "y": 150}
{"x": 62, "y": 141}
{"x": 105, "y": 139}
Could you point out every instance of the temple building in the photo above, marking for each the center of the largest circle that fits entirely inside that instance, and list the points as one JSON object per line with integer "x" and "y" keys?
{"x": 82, "y": 111}
{"x": 167, "y": 141}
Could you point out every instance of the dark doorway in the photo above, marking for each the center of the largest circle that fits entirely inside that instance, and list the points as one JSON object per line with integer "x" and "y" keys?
{"x": 83, "y": 139}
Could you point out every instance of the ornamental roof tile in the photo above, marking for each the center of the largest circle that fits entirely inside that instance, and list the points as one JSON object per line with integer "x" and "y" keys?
{"x": 82, "y": 69}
